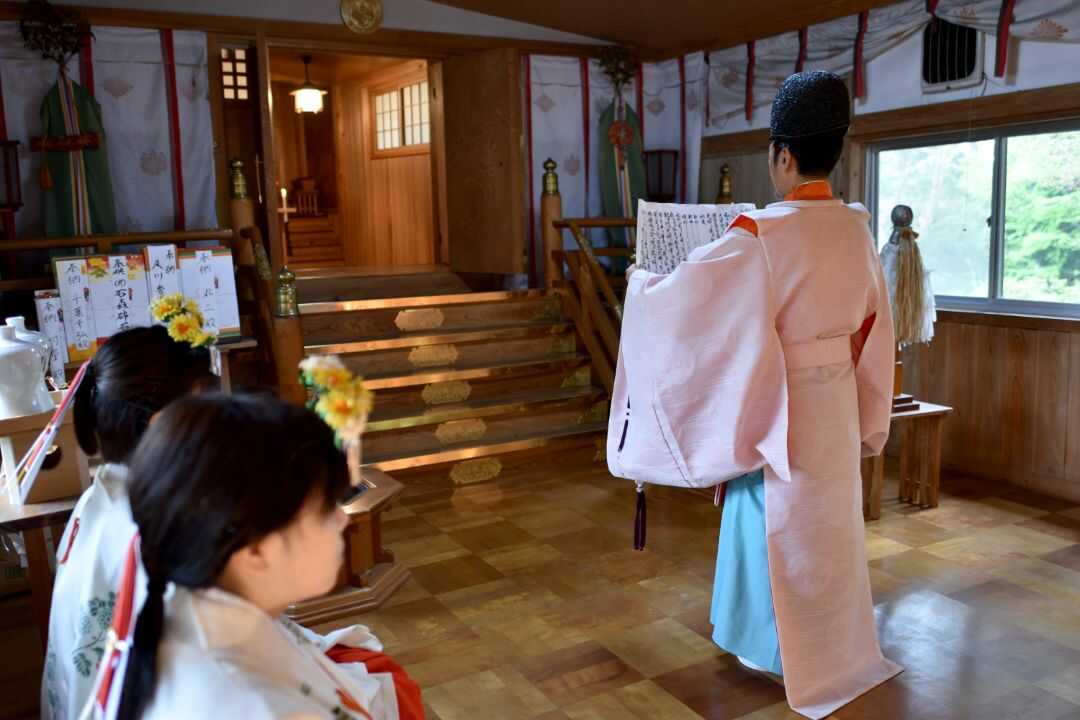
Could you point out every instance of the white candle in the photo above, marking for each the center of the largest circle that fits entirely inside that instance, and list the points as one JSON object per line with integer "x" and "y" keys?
{"x": 284, "y": 197}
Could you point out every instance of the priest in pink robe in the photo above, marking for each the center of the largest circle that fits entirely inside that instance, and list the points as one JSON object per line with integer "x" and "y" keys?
{"x": 772, "y": 349}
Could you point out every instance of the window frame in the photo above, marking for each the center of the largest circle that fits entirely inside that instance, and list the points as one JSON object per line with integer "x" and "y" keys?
{"x": 397, "y": 86}
{"x": 227, "y": 54}
{"x": 993, "y": 303}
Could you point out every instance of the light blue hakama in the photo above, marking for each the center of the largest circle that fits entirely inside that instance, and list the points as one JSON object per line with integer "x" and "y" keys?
{"x": 744, "y": 622}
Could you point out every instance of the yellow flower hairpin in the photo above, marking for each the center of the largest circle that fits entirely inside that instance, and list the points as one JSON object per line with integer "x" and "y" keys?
{"x": 341, "y": 400}
{"x": 182, "y": 318}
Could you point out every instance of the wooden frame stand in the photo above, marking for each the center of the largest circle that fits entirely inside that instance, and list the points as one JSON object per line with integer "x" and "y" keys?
{"x": 369, "y": 575}
{"x": 920, "y": 460}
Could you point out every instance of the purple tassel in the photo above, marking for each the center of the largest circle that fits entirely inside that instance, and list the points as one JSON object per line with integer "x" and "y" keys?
{"x": 639, "y": 520}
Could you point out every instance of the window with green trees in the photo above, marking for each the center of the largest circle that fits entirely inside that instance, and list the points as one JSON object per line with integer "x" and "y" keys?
{"x": 998, "y": 215}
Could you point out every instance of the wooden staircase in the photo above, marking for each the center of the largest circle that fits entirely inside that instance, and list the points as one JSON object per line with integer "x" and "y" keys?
{"x": 461, "y": 379}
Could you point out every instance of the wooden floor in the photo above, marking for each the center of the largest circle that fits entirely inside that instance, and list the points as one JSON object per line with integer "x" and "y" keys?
{"x": 527, "y": 601}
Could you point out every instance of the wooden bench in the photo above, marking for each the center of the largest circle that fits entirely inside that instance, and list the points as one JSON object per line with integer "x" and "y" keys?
{"x": 920, "y": 460}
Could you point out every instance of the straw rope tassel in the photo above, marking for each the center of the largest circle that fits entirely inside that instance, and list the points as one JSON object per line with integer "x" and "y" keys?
{"x": 910, "y": 290}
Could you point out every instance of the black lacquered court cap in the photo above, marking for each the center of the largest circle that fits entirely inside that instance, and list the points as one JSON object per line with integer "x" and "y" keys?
{"x": 808, "y": 104}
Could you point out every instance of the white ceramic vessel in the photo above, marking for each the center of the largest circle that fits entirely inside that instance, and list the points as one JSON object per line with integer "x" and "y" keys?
{"x": 22, "y": 385}
{"x": 37, "y": 339}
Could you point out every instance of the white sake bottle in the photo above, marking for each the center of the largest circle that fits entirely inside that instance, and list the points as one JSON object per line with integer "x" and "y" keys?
{"x": 22, "y": 384}
{"x": 37, "y": 339}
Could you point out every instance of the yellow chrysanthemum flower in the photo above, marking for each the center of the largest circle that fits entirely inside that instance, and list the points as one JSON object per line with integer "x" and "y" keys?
{"x": 202, "y": 339}
{"x": 344, "y": 407}
{"x": 166, "y": 306}
{"x": 331, "y": 377}
{"x": 183, "y": 327}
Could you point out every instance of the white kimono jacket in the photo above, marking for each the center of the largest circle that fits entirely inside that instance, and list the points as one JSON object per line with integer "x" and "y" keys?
{"x": 221, "y": 656}
{"x": 89, "y": 563}
{"x": 91, "y": 557}
{"x": 773, "y": 348}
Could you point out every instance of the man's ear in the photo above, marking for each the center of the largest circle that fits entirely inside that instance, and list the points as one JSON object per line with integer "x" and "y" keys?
{"x": 785, "y": 158}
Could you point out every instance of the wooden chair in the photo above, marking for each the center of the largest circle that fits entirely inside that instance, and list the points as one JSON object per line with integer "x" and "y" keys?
{"x": 307, "y": 197}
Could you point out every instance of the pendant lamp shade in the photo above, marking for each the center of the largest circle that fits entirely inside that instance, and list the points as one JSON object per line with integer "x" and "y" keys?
{"x": 308, "y": 98}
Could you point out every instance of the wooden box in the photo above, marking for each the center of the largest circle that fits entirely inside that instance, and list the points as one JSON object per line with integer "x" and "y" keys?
{"x": 61, "y": 477}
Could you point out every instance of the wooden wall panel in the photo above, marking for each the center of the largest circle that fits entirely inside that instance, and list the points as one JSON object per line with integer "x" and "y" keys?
{"x": 1072, "y": 441}
{"x": 1051, "y": 404}
{"x": 485, "y": 159}
{"x": 385, "y": 203}
{"x": 290, "y": 154}
{"x": 1015, "y": 391}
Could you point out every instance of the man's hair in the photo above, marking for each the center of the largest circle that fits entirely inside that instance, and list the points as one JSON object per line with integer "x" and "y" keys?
{"x": 815, "y": 156}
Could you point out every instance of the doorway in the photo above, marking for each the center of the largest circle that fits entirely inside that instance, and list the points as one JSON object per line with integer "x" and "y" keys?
{"x": 353, "y": 170}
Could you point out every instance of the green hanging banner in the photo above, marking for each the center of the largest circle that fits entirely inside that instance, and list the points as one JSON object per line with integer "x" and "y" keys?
{"x": 622, "y": 168}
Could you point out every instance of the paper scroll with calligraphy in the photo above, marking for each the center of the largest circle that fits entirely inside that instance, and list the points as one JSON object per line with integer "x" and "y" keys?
{"x": 118, "y": 293}
{"x": 51, "y": 324}
{"x": 668, "y": 232}
{"x": 162, "y": 275}
{"x": 73, "y": 285}
{"x": 207, "y": 277}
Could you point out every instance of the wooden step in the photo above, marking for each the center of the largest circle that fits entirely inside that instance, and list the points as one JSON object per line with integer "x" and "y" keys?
{"x": 446, "y": 391}
{"x": 571, "y": 436}
{"x": 416, "y": 301}
{"x": 331, "y": 289}
{"x": 426, "y": 376}
{"x": 395, "y": 418}
{"x": 388, "y": 318}
{"x": 493, "y": 345}
{"x": 522, "y": 423}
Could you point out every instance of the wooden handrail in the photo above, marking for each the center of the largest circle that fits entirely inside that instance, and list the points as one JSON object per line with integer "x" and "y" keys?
{"x": 575, "y": 226}
{"x": 587, "y": 294}
{"x": 596, "y": 223}
{"x": 101, "y": 244}
{"x": 105, "y": 243}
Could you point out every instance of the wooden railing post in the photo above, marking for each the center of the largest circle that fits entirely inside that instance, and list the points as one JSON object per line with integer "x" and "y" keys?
{"x": 550, "y": 211}
{"x": 288, "y": 340}
{"x": 241, "y": 209}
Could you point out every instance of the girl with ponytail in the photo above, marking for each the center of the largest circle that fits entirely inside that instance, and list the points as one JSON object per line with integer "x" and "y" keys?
{"x": 133, "y": 376}
{"x": 237, "y": 503}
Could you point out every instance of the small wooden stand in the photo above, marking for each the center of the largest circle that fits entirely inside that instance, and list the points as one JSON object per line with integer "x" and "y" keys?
{"x": 901, "y": 402}
{"x": 369, "y": 575}
{"x": 920, "y": 460}
{"x": 65, "y": 475}
{"x": 30, "y": 521}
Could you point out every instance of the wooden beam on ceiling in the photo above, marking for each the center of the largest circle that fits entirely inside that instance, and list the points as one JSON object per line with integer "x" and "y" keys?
{"x": 989, "y": 111}
{"x": 657, "y": 29}
{"x": 331, "y": 38}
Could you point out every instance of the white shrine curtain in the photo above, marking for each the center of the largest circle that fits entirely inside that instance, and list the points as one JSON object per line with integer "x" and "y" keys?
{"x": 130, "y": 85}
{"x": 831, "y": 46}
{"x": 196, "y": 130}
{"x": 557, "y": 133}
{"x": 665, "y": 91}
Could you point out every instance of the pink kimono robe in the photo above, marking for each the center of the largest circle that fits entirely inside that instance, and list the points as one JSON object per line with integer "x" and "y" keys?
{"x": 773, "y": 348}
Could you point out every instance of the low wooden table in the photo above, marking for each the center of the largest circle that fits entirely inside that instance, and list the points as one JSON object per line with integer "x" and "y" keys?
{"x": 369, "y": 575}
{"x": 30, "y": 521}
{"x": 220, "y": 357}
{"x": 920, "y": 460}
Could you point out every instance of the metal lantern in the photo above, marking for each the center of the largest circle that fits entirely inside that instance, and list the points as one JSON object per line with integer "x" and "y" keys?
{"x": 10, "y": 184}
{"x": 661, "y": 167}
{"x": 308, "y": 98}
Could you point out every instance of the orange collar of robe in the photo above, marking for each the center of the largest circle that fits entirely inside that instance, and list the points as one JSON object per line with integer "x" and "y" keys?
{"x": 813, "y": 190}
